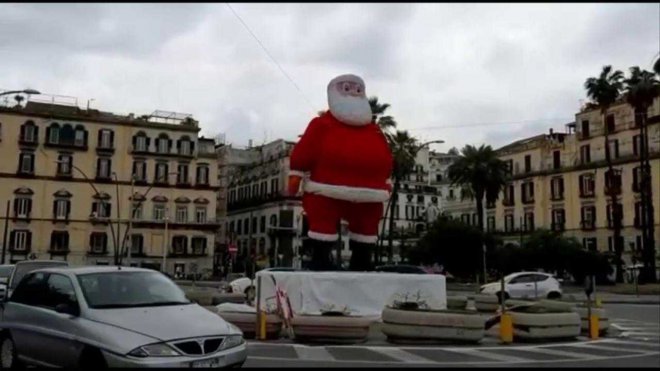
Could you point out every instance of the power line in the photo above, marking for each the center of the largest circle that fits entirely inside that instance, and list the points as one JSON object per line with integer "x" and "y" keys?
{"x": 271, "y": 57}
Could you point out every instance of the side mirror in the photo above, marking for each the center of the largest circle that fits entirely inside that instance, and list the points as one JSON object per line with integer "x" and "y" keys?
{"x": 69, "y": 309}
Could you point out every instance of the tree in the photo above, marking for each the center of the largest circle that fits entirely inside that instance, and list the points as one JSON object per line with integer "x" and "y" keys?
{"x": 656, "y": 67}
{"x": 453, "y": 151}
{"x": 604, "y": 90}
{"x": 641, "y": 88}
{"x": 481, "y": 173}
{"x": 386, "y": 123}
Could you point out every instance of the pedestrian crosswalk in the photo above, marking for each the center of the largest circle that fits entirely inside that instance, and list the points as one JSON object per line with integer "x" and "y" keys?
{"x": 629, "y": 339}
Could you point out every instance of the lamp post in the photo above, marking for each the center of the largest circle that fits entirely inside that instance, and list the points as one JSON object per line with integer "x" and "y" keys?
{"x": 395, "y": 190}
{"x": 24, "y": 91}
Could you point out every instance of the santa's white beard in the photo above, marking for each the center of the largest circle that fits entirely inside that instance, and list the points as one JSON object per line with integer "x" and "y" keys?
{"x": 350, "y": 110}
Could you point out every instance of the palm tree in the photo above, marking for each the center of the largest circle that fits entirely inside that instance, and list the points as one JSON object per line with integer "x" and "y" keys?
{"x": 641, "y": 88}
{"x": 481, "y": 174}
{"x": 404, "y": 149}
{"x": 386, "y": 123}
{"x": 656, "y": 67}
{"x": 604, "y": 90}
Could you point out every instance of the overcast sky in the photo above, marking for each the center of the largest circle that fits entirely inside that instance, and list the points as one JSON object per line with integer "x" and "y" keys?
{"x": 518, "y": 67}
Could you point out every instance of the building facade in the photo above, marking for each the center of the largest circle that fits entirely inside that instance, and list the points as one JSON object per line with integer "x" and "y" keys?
{"x": 561, "y": 181}
{"x": 72, "y": 175}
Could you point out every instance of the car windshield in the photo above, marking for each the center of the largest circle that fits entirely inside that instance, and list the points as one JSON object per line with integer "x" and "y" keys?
{"x": 23, "y": 269}
{"x": 130, "y": 289}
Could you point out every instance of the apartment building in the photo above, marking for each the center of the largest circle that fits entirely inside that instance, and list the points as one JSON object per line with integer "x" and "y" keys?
{"x": 71, "y": 176}
{"x": 560, "y": 181}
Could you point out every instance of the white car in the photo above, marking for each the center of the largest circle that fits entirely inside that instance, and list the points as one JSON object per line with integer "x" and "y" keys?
{"x": 526, "y": 285}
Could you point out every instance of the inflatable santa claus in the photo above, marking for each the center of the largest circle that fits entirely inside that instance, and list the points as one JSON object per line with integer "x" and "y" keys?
{"x": 344, "y": 163}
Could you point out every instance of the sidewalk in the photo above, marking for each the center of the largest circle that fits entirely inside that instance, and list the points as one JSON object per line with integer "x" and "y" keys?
{"x": 606, "y": 298}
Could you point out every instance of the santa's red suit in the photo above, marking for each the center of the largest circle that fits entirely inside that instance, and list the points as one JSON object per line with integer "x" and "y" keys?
{"x": 346, "y": 166}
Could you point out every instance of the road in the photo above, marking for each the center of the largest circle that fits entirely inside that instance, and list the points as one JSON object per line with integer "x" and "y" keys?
{"x": 635, "y": 342}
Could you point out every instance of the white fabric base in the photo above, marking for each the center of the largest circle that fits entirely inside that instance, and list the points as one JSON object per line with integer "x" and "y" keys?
{"x": 365, "y": 294}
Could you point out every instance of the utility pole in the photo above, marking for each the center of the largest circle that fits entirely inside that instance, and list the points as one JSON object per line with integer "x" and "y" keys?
{"x": 130, "y": 222}
{"x": 4, "y": 235}
{"x": 166, "y": 239}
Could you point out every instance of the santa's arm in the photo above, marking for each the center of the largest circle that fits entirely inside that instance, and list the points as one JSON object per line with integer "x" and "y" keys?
{"x": 304, "y": 154}
{"x": 390, "y": 159}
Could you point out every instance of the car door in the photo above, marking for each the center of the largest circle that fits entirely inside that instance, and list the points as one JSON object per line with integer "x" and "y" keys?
{"x": 541, "y": 285}
{"x": 519, "y": 287}
{"x": 39, "y": 332}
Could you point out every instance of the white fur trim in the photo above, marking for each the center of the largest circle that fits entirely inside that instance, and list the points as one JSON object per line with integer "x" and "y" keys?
{"x": 322, "y": 236}
{"x": 347, "y": 193}
{"x": 362, "y": 238}
{"x": 297, "y": 173}
{"x": 347, "y": 77}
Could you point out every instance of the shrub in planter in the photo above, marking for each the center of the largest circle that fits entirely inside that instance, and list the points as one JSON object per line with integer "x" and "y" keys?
{"x": 539, "y": 323}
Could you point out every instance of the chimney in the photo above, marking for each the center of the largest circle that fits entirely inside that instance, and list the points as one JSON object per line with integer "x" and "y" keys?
{"x": 551, "y": 132}
{"x": 250, "y": 143}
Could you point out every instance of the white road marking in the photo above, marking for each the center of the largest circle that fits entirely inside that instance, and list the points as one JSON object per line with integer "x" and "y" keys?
{"x": 306, "y": 353}
{"x": 561, "y": 353}
{"x": 611, "y": 349}
{"x": 400, "y": 355}
{"x": 491, "y": 356}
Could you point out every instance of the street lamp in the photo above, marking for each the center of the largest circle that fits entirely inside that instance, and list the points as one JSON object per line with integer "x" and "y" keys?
{"x": 25, "y": 91}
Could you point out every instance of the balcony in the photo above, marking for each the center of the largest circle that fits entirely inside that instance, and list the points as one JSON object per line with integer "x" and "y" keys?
{"x": 28, "y": 141}
{"x": 20, "y": 250}
{"x": 59, "y": 251}
{"x": 527, "y": 200}
{"x": 614, "y": 190}
{"x": 611, "y": 224}
{"x": 105, "y": 149}
{"x": 557, "y": 197}
{"x": 95, "y": 251}
{"x": 558, "y": 226}
{"x": 638, "y": 223}
{"x": 587, "y": 194}
{"x": 508, "y": 202}
{"x": 588, "y": 225}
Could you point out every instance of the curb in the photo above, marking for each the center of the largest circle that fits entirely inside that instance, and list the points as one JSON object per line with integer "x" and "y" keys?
{"x": 613, "y": 301}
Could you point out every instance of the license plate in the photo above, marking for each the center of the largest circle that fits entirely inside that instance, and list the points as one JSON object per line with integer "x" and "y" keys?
{"x": 207, "y": 363}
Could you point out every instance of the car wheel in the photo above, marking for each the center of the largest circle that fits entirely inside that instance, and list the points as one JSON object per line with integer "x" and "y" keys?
{"x": 554, "y": 295}
{"x": 8, "y": 354}
{"x": 92, "y": 359}
{"x": 250, "y": 293}
{"x": 499, "y": 297}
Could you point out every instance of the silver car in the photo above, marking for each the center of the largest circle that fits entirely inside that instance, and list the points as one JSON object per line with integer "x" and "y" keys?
{"x": 98, "y": 317}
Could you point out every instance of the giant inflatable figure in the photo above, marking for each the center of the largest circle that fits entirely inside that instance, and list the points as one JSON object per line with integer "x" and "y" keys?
{"x": 344, "y": 163}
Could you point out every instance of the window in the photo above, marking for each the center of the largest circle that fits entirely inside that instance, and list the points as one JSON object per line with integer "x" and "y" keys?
{"x": 182, "y": 214}
{"x": 137, "y": 210}
{"x": 274, "y": 186}
{"x": 556, "y": 160}
{"x": 640, "y": 215}
{"x": 451, "y": 194}
{"x": 200, "y": 214}
{"x": 528, "y": 163}
{"x": 58, "y": 290}
{"x": 509, "y": 166}
{"x": 137, "y": 244}
{"x": 185, "y": 146}
{"x": 585, "y": 154}
{"x": 255, "y": 190}
{"x": 558, "y": 219}
{"x": 610, "y": 124}
{"x": 106, "y": 139}
{"x": 638, "y": 177}
{"x": 239, "y": 227}
{"x": 262, "y": 224}
{"x": 54, "y": 133}
{"x": 465, "y": 218}
{"x": 557, "y": 188}
{"x": 140, "y": 142}
{"x": 61, "y": 209}
{"x": 31, "y": 290}
{"x": 590, "y": 244}
{"x": 610, "y": 243}
{"x": 264, "y": 187}
{"x": 611, "y": 208}
{"x": 29, "y": 132}
{"x": 490, "y": 223}
{"x": 420, "y": 199}
{"x": 438, "y": 177}
{"x": 254, "y": 225}
{"x": 587, "y": 185}
{"x": 613, "y": 145}
{"x": 273, "y": 220}
{"x": 529, "y": 221}
{"x": 101, "y": 209}
{"x": 198, "y": 245}
{"x": 103, "y": 168}
{"x": 59, "y": 241}
{"x": 140, "y": 170}
{"x": 163, "y": 144}
{"x": 527, "y": 191}
{"x": 98, "y": 242}
{"x": 613, "y": 182}
{"x": 162, "y": 170}
{"x": 80, "y": 137}
{"x": 203, "y": 176}
{"x": 585, "y": 128}
{"x": 508, "y": 195}
{"x": 637, "y": 145}
{"x": 182, "y": 174}
{"x": 180, "y": 245}
{"x": 22, "y": 207}
{"x": 508, "y": 223}
{"x": 588, "y": 214}
{"x": 26, "y": 163}
{"x": 20, "y": 240}
{"x": 64, "y": 165}
{"x": 159, "y": 212}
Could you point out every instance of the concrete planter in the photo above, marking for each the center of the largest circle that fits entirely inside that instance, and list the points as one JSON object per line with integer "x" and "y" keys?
{"x": 491, "y": 303}
{"x": 432, "y": 326}
{"x": 331, "y": 329}
{"x": 237, "y": 298}
{"x": 603, "y": 320}
{"x": 247, "y": 323}
{"x": 540, "y": 324}
{"x": 202, "y": 298}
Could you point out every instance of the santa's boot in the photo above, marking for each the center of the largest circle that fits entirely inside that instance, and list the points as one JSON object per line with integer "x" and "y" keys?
{"x": 321, "y": 256}
{"x": 361, "y": 254}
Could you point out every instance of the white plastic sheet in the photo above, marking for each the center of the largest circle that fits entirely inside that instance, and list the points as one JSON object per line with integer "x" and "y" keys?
{"x": 363, "y": 294}
{"x": 237, "y": 308}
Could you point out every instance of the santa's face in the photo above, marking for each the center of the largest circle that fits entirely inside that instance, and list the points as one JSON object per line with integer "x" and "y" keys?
{"x": 348, "y": 101}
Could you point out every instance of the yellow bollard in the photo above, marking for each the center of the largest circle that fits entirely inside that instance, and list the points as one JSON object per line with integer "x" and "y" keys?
{"x": 594, "y": 331}
{"x": 262, "y": 326}
{"x": 506, "y": 328}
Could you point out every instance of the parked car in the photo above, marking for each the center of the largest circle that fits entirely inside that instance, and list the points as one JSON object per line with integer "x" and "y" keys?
{"x": 246, "y": 285}
{"x": 526, "y": 285}
{"x": 99, "y": 317}
{"x": 24, "y": 267}
{"x": 5, "y": 272}
{"x": 401, "y": 268}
